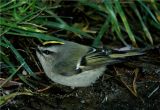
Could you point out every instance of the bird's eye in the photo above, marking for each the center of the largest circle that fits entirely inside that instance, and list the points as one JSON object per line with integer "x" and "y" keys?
{"x": 47, "y": 52}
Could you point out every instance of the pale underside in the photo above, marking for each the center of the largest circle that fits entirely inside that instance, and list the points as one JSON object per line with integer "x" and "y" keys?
{"x": 83, "y": 79}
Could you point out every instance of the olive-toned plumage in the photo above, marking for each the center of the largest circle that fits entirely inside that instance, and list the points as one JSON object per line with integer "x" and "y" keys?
{"x": 76, "y": 65}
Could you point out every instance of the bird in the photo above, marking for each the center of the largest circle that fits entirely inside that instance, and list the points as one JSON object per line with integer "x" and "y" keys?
{"x": 76, "y": 65}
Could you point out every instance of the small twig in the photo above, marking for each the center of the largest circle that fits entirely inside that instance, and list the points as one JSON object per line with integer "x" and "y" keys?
{"x": 44, "y": 89}
{"x": 134, "y": 80}
{"x": 153, "y": 91}
{"x": 133, "y": 92}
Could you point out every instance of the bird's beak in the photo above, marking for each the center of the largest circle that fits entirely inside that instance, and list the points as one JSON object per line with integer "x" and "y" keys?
{"x": 38, "y": 50}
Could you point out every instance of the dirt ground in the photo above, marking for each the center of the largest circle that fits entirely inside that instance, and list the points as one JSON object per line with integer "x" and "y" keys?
{"x": 111, "y": 91}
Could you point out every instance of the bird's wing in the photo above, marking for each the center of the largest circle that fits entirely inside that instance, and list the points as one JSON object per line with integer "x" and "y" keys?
{"x": 100, "y": 57}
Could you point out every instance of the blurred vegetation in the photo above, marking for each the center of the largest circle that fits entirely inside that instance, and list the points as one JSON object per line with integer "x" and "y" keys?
{"x": 24, "y": 23}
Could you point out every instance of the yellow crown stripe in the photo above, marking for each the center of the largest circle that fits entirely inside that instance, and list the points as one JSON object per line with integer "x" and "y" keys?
{"x": 52, "y": 42}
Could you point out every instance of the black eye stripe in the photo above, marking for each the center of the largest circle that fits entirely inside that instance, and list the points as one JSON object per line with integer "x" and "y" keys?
{"x": 47, "y": 52}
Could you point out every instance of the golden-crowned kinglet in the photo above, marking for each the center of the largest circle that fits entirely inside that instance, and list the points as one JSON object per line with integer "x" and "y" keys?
{"x": 75, "y": 65}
